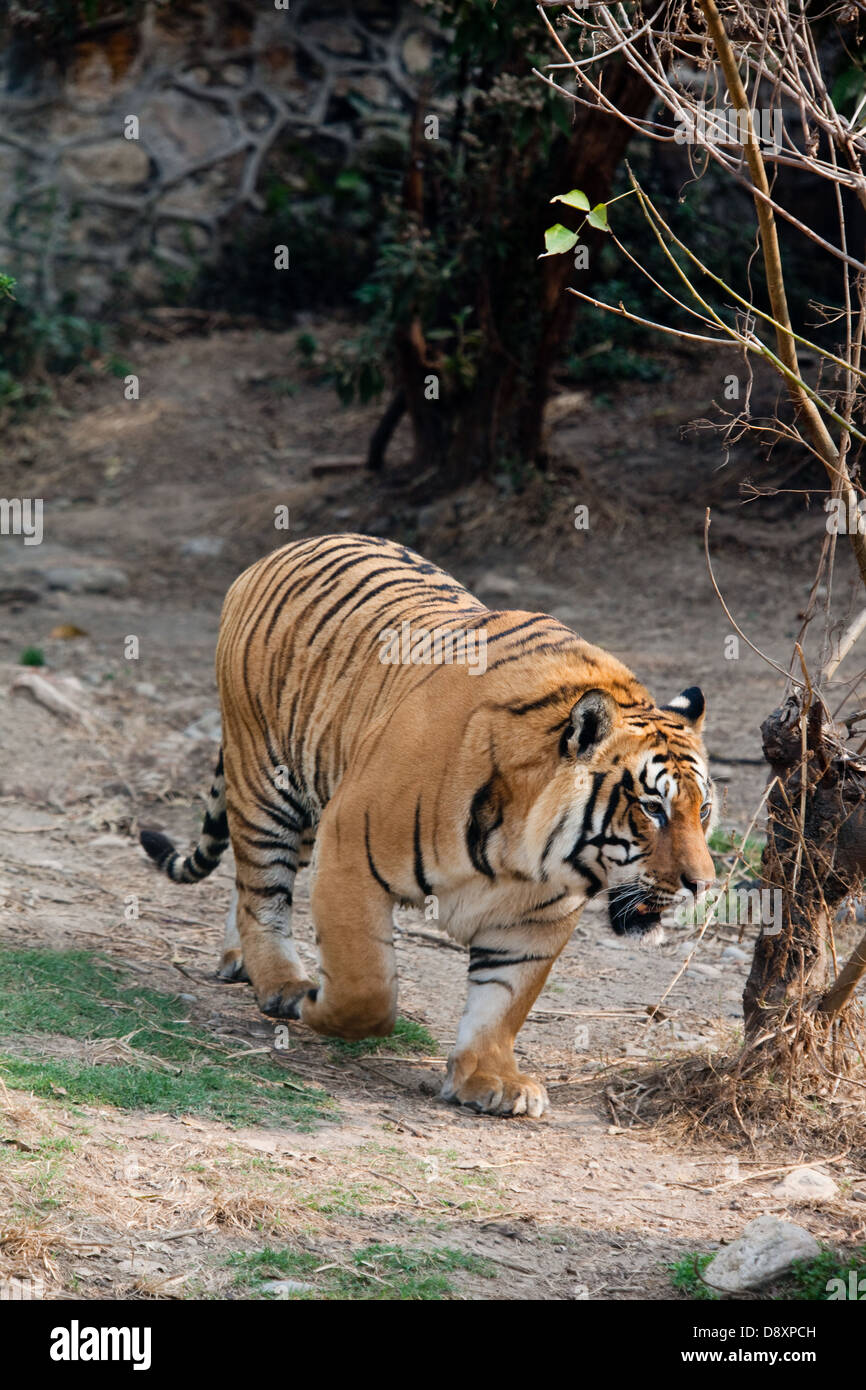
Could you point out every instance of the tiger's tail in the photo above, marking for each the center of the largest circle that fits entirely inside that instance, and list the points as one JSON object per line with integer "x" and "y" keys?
{"x": 212, "y": 842}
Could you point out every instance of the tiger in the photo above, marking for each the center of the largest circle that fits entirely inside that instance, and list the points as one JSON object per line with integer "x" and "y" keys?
{"x": 500, "y": 780}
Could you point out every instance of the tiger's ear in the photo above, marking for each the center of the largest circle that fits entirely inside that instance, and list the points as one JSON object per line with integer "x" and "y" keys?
{"x": 590, "y": 722}
{"x": 690, "y": 706}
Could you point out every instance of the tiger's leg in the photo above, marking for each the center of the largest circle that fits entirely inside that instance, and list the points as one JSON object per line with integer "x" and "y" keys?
{"x": 507, "y": 971}
{"x": 231, "y": 966}
{"x": 308, "y": 846}
{"x": 265, "y": 843}
{"x": 352, "y": 913}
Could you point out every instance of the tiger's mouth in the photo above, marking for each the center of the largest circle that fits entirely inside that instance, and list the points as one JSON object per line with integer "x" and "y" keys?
{"x": 635, "y": 911}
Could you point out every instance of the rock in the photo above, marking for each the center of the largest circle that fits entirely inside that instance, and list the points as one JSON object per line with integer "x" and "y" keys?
{"x": 766, "y": 1249}
{"x": 233, "y": 75}
{"x": 338, "y": 38}
{"x": 140, "y": 1267}
{"x": 369, "y": 86}
{"x": 417, "y": 52}
{"x": 202, "y": 545}
{"x": 207, "y": 726}
{"x": 806, "y": 1185}
{"x": 62, "y": 695}
{"x": 566, "y": 403}
{"x": 684, "y": 948}
{"x": 12, "y": 596}
{"x": 712, "y": 972}
{"x": 78, "y": 580}
{"x": 732, "y": 953}
{"x": 436, "y": 514}
{"x": 498, "y": 584}
{"x": 118, "y": 163}
{"x": 283, "y": 1288}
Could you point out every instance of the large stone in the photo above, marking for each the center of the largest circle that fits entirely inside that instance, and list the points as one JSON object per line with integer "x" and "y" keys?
{"x": 116, "y": 163}
{"x": 181, "y": 129}
{"x": 806, "y": 1185}
{"x": 766, "y": 1249}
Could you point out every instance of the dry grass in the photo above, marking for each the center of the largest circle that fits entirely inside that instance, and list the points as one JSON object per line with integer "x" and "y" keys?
{"x": 812, "y": 1100}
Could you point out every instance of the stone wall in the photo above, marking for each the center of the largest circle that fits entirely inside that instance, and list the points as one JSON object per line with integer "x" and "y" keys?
{"x": 215, "y": 99}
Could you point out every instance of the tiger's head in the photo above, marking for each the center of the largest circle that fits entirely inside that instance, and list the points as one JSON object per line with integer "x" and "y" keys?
{"x": 638, "y": 805}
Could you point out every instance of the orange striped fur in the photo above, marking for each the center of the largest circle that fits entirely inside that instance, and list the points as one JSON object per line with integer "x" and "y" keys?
{"x": 499, "y": 789}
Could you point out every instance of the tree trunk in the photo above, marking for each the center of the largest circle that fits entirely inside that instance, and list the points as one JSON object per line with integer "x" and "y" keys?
{"x": 462, "y": 431}
{"x": 815, "y": 856}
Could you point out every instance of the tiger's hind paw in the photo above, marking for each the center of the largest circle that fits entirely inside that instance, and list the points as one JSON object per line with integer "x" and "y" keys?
{"x": 232, "y": 968}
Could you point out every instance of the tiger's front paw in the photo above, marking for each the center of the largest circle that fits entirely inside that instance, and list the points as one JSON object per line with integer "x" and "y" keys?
{"x": 491, "y": 1094}
{"x": 284, "y": 1001}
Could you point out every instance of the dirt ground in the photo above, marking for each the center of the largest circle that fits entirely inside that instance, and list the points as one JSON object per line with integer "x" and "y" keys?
{"x": 154, "y": 506}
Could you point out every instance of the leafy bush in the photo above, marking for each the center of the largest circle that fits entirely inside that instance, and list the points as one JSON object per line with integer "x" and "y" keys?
{"x": 35, "y": 343}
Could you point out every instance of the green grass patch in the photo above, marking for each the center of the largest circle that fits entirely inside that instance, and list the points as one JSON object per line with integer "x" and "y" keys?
{"x": 686, "y": 1274}
{"x": 725, "y": 847}
{"x": 166, "y": 1062}
{"x": 374, "y": 1273}
{"x": 407, "y": 1036}
{"x": 32, "y": 656}
{"x": 827, "y": 1278}
{"x": 811, "y": 1277}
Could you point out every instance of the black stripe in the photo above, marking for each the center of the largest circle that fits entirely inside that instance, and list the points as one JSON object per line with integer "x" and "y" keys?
{"x": 271, "y": 890}
{"x": 420, "y": 876}
{"x": 485, "y": 816}
{"x": 552, "y": 837}
{"x": 553, "y": 697}
{"x": 373, "y": 870}
{"x": 484, "y": 964}
{"x": 216, "y": 827}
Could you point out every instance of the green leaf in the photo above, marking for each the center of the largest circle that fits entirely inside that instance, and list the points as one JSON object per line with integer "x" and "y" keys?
{"x": 598, "y": 217}
{"x": 558, "y": 239}
{"x": 574, "y": 199}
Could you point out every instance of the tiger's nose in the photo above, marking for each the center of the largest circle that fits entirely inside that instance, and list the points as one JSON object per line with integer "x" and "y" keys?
{"x": 695, "y": 886}
{"x": 689, "y": 884}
